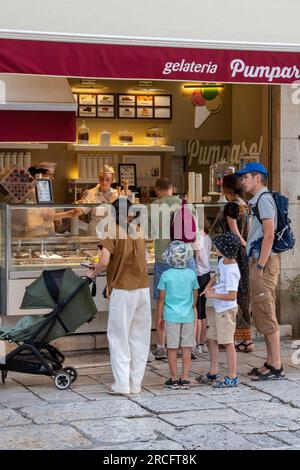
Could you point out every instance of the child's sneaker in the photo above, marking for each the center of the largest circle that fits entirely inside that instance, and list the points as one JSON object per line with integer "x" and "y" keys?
{"x": 185, "y": 384}
{"x": 208, "y": 379}
{"x": 227, "y": 382}
{"x": 174, "y": 384}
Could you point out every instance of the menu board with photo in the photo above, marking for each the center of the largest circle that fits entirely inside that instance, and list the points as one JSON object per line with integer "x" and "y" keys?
{"x": 144, "y": 106}
{"x": 123, "y": 106}
{"x": 127, "y": 171}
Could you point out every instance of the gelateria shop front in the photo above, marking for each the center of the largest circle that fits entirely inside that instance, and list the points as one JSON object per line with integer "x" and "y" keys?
{"x": 69, "y": 108}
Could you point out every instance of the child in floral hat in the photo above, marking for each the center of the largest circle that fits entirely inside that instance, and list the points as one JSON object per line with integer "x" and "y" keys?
{"x": 223, "y": 289}
{"x": 176, "y": 310}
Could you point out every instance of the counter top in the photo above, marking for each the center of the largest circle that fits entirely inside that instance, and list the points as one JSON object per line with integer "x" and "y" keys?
{"x": 121, "y": 148}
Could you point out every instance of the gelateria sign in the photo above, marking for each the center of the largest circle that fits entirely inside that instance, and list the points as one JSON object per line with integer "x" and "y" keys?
{"x": 75, "y": 59}
{"x": 203, "y": 153}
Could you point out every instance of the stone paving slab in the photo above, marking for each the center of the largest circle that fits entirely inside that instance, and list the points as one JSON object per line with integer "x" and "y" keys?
{"x": 60, "y": 413}
{"x": 121, "y": 430}
{"x": 169, "y": 403}
{"x": 150, "y": 445}
{"x": 252, "y": 426}
{"x": 42, "y": 437}
{"x": 22, "y": 398}
{"x": 266, "y": 410}
{"x": 285, "y": 390}
{"x": 209, "y": 437}
{"x": 234, "y": 395}
{"x": 265, "y": 441}
{"x": 188, "y": 418}
{"x": 286, "y": 437}
{"x": 11, "y": 418}
{"x": 51, "y": 394}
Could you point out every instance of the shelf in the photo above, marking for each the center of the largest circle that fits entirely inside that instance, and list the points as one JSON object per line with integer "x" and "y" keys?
{"x": 121, "y": 148}
{"x": 84, "y": 180}
{"x": 22, "y": 146}
{"x": 148, "y": 177}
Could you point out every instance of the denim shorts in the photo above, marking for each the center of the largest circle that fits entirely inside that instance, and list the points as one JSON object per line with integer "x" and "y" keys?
{"x": 159, "y": 268}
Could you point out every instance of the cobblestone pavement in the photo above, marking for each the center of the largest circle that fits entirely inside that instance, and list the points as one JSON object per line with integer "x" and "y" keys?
{"x": 35, "y": 415}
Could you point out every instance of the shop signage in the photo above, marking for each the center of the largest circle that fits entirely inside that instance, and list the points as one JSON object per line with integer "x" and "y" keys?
{"x": 210, "y": 153}
{"x": 147, "y": 62}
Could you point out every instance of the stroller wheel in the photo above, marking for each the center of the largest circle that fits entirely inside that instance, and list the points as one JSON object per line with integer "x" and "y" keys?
{"x": 62, "y": 381}
{"x": 3, "y": 375}
{"x": 72, "y": 373}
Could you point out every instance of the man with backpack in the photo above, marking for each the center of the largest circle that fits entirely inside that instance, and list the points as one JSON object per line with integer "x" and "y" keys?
{"x": 263, "y": 245}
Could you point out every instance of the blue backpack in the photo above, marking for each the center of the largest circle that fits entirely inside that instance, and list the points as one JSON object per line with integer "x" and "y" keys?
{"x": 284, "y": 235}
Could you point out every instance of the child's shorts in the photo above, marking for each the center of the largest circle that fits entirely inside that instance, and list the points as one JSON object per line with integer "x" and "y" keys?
{"x": 180, "y": 335}
{"x": 221, "y": 326}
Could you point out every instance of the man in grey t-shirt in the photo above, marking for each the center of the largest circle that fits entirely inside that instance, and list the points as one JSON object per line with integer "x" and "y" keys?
{"x": 263, "y": 268}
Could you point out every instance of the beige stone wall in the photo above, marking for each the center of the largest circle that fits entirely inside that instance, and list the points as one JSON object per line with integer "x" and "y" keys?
{"x": 286, "y": 166}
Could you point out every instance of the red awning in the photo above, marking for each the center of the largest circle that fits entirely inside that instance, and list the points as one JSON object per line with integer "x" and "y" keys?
{"x": 37, "y": 126}
{"x": 36, "y": 109}
{"x": 147, "y": 62}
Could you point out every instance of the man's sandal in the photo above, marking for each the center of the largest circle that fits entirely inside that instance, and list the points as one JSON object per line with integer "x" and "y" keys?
{"x": 255, "y": 371}
{"x": 244, "y": 347}
{"x": 273, "y": 374}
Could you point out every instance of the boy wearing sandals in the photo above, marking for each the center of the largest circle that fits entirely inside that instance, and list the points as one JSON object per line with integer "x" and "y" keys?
{"x": 176, "y": 310}
{"x": 223, "y": 289}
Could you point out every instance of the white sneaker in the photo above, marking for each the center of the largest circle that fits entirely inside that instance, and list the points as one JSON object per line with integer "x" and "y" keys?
{"x": 151, "y": 357}
{"x": 160, "y": 353}
{"x": 196, "y": 352}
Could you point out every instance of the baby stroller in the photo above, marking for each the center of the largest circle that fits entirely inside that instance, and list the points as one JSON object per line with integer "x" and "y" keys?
{"x": 72, "y": 305}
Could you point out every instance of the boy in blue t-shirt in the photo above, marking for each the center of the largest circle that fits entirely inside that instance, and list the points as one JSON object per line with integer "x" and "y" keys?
{"x": 176, "y": 309}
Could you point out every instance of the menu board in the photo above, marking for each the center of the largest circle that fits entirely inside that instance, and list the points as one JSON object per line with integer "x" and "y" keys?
{"x": 127, "y": 171}
{"x": 123, "y": 106}
{"x": 144, "y": 106}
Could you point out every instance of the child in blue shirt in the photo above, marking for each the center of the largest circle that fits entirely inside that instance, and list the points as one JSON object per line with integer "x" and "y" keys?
{"x": 176, "y": 310}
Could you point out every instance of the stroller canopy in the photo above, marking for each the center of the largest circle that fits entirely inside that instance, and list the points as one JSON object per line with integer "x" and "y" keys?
{"x": 54, "y": 290}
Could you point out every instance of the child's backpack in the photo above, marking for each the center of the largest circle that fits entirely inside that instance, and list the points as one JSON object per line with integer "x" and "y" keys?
{"x": 183, "y": 225}
{"x": 284, "y": 235}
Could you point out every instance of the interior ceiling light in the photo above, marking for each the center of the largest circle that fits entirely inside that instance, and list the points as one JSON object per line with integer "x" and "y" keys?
{"x": 204, "y": 85}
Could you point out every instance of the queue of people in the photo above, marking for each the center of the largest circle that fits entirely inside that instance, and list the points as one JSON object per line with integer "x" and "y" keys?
{"x": 242, "y": 287}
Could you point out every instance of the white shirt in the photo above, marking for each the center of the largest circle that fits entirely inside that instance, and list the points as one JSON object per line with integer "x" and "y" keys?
{"x": 203, "y": 254}
{"x": 228, "y": 278}
{"x": 96, "y": 196}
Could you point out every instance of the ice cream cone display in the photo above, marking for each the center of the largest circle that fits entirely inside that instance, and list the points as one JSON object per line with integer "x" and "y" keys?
{"x": 206, "y": 101}
{"x": 18, "y": 182}
{"x": 214, "y": 105}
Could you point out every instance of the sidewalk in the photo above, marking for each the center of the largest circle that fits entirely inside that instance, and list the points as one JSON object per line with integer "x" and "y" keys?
{"x": 35, "y": 415}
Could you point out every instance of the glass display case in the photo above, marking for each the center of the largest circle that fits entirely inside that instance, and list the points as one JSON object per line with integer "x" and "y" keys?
{"x": 31, "y": 240}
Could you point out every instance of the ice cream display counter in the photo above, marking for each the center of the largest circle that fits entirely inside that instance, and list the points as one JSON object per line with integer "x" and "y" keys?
{"x": 31, "y": 240}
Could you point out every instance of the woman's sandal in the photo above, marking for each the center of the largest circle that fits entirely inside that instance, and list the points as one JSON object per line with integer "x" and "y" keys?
{"x": 245, "y": 347}
{"x": 272, "y": 374}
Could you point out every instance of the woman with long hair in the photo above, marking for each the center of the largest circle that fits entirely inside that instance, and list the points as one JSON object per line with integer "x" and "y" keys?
{"x": 236, "y": 219}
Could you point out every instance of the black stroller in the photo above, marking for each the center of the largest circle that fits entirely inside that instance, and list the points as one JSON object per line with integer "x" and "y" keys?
{"x": 72, "y": 305}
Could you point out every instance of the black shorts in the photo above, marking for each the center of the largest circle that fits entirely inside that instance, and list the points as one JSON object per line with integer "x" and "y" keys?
{"x": 201, "y": 301}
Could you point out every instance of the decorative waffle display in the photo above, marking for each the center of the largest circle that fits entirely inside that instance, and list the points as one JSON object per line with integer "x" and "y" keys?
{"x": 18, "y": 182}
